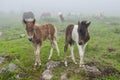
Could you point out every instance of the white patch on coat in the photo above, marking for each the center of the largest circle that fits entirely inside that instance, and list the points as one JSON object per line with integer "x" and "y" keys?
{"x": 30, "y": 19}
{"x": 75, "y": 36}
{"x": 30, "y": 37}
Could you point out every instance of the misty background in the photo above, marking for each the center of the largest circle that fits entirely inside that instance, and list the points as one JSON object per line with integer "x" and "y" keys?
{"x": 84, "y": 7}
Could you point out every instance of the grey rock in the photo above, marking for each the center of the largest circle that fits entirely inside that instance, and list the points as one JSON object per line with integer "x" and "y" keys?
{"x": 92, "y": 70}
{"x": 2, "y": 70}
{"x": 52, "y": 64}
{"x": 22, "y": 35}
{"x": 77, "y": 70}
{"x": 11, "y": 67}
{"x": 64, "y": 76}
{"x": 2, "y": 59}
{"x": 47, "y": 74}
{"x": 18, "y": 76}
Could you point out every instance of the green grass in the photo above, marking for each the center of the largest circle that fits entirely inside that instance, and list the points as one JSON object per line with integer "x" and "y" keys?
{"x": 103, "y": 36}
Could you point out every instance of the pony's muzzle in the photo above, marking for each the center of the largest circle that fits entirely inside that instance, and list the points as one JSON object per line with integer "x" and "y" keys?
{"x": 30, "y": 39}
{"x": 80, "y": 42}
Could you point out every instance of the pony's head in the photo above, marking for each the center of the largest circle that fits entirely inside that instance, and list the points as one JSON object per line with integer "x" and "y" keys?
{"x": 29, "y": 21}
{"x": 83, "y": 31}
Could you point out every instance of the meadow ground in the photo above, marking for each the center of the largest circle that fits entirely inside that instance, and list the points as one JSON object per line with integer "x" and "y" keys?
{"x": 103, "y": 49}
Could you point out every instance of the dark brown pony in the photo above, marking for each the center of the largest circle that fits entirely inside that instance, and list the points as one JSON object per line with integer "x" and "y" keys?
{"x": 37, "y": 34}
{"x": 79, "y": 34}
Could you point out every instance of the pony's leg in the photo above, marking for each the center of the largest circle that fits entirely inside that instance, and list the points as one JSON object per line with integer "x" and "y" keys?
{"x": 72, "y": 53}
{"x": 37, "y": 57}
{"x": 39, "y": 61}
{"x": 65, "y": 50}
{"x": 56, "y": 46}
{"x": 81, "y": 53}
{"x": 84, "y": 46}
{"x": 51, "y": 51}
{"x": 35, "y": 50}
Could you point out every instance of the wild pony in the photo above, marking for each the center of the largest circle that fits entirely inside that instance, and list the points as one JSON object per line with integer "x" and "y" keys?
{"x": 79, "y": 34}
{"x": 38, "y": 33}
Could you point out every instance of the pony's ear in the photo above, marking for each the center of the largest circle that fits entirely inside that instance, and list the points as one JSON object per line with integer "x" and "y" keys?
{"x": 79, "y": 26}
{"x": 24, "y": 21}
{"x": 88, "y": 23}
{"x": 34, "y": 21}
{"x": 78, "y": 22}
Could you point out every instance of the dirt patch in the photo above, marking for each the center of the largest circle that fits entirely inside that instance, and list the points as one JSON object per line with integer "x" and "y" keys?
{"x": 117, "y": 31}
{"x": 20, "y": 75}
{"x": 110, "y": 49}
{"x": 93, "y": 71}
{"x": 108, "y": 70}
{"x": 104, "y": 71}
{"x": 92, "y": 64}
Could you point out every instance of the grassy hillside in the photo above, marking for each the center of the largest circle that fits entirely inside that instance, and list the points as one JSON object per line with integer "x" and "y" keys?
{"x": 103, "y": 49}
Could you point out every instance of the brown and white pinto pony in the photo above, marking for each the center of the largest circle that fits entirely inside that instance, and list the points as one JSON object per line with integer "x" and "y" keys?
{"x": 37, "y": 34}
{"x": 79, "y": 34}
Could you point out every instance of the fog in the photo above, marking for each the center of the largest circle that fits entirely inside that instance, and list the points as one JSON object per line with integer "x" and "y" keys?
{"x": 85, "y": 7}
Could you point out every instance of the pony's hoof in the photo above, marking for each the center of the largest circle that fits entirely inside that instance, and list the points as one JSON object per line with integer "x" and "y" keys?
{"x": 75, "y": 62}
{"x": 81, "y": 65}
{"x": 39, "y": 64}
{"x": 35, "y": 64}
{"x": 65, "y": 63}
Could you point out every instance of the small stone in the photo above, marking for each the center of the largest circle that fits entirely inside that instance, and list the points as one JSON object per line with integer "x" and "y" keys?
{"x": 17, "y": 76}
{"x": 22, "y": 35}
{"x": 64, "y": 76}
{"x": 47, "y": 74}
{"x": 17, "y": 60}
{"x": 20, "y": 75}
{"x": 2, "y": 70}
{"x": 2, "y": 59}
{"x": 77, "y": 70}
{"x": 11, "y": 67}
{"x": 52, "y": 64}
{"x": 92, "y": 71}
